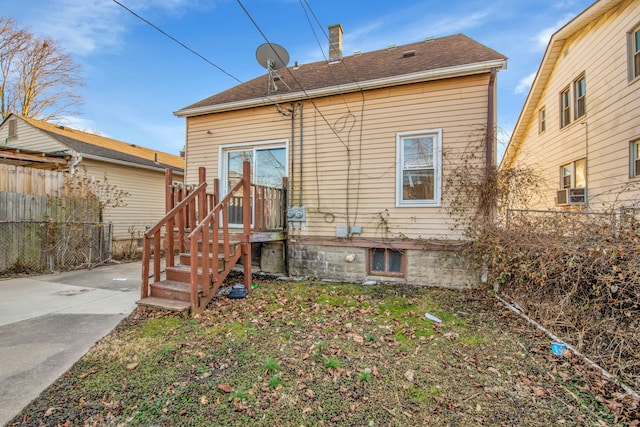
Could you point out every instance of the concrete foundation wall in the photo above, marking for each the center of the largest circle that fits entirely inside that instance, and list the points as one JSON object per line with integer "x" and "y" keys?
{"x": 349, "y": 264}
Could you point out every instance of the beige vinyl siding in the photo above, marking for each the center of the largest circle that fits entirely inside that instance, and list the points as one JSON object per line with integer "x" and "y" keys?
{"x": 349, "y": 173}
{"x": 612, "y": 118}
{"x": 30, "y": 138}
{"x": 145, "y": 202}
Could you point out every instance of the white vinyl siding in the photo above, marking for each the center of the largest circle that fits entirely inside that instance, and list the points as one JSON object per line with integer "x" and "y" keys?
{"x": 355, "y": 176}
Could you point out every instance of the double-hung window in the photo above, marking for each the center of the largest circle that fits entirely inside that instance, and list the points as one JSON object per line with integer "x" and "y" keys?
{"x": 634, "y": 53}
{"x": 419, "y": 168}
{"x": 565, "y": 107}
{"x": 580, "y": 97}
{"x": 542, "y": 120}
{"x": 574, "y": 174}
{"x": 634, "y": 156}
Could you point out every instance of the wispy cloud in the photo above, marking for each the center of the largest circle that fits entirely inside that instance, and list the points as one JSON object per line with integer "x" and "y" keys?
{"x": 543, "y": 36}
{"x": 524, "y": 84}
{"x": 85, "y": 27}
{"x": 410, "y": 25}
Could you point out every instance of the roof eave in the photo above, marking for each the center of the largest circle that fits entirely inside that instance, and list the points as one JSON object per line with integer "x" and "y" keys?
{"x": 159, "y": 168}
{"x": 423, "y": 76}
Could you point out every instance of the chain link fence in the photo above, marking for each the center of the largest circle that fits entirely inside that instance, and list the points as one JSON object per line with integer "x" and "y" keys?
{"x": 28, "y": 247}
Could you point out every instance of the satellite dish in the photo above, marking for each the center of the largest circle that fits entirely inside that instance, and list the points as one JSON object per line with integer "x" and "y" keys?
{"x": 272, "y": 56}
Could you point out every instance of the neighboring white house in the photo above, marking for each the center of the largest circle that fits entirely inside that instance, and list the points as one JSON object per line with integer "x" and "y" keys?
{"x": 137, "y": 170}
{"x": 580, "y": 125}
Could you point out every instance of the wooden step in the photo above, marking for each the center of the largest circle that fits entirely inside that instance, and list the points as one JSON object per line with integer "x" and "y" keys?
{"x": 164, "y": 304}
{"x": 185, "y": 259}
{"x": 182, "y": 273}
{"x": 171, "y": 289}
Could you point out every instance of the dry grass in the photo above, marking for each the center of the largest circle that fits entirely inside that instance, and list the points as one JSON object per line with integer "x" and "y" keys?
{"x": 313, "y": 354}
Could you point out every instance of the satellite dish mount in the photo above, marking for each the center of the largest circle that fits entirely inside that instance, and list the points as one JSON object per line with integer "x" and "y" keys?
{"x": 273, "y": 57}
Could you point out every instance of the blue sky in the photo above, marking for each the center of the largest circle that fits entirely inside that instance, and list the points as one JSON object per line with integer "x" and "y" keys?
{"x": 136, "y": 77}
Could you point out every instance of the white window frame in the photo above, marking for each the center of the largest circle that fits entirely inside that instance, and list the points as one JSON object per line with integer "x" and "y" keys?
{"x": 542, "y": 120}
{"x": 633, "y": 43}
{"x": 222, "y": 159}
{"x": 579, "y": 99}
{"x": 436, "y": 134}
{"x": 572, "y": 168}
{"x": 634, "y": 159}
{"x": 223, "y": 172}
{"x": 565, "y": 107}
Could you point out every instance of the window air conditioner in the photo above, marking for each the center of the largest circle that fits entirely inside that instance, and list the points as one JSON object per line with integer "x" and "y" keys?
{"x": 572, "y": 196}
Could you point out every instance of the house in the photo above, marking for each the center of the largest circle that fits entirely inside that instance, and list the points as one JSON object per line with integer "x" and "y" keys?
{"x": 137, "y": 170}
{"x": 579, "y": 128}
{"x": 365, "y": 142}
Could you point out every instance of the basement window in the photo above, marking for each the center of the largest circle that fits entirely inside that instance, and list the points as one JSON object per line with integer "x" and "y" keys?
{"x": 386, "y": 262}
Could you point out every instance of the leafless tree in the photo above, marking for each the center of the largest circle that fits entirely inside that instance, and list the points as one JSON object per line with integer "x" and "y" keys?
{"x": 38, "y": 79}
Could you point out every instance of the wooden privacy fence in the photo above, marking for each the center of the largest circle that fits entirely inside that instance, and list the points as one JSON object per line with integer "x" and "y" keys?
{"x": 19, "y": 179}
{"x": 42, "y": 229}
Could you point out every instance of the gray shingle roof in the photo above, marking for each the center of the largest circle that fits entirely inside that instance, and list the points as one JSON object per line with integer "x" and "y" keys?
{"x": 432, "y": 54}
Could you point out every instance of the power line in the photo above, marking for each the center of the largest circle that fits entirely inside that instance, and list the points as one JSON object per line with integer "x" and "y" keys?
{"x": 315, "y": 106}
{"x": 176, "y": 40}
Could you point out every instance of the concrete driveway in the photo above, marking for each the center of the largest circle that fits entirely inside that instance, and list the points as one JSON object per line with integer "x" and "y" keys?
{"x": 48, "y": 322}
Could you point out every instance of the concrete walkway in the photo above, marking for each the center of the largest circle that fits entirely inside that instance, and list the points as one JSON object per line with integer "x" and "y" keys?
{"x": 48, "y": 322}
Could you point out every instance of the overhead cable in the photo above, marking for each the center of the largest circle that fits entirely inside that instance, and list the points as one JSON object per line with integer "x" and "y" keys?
{"x": 176, "y": 40}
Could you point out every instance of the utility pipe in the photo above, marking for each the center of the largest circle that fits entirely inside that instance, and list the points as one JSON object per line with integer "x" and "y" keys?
{"x": 292, "y": 148}
{"x": 490, "y": 120}
{"x": 300, "y": 177}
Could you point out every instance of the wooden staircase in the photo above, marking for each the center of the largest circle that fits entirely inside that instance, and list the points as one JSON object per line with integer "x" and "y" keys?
{"x": 196, "y": 227}
{"x": 174, "y": 291}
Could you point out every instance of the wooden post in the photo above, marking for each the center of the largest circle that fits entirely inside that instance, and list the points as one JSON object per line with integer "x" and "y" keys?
{"x": 169, "y": 204}
{"x": 246, "y": 223}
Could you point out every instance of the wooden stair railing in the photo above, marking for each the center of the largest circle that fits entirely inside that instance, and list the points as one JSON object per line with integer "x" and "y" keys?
{"x": 195, "y": 222}
{"x": 207, "y": 234}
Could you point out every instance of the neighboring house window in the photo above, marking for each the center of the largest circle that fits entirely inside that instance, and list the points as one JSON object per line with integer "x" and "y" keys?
{"x": 574, "y": 174}
{"x": 419, "y": 168}
{"x": 565, "y": 107}
{"x": 634, "y": 53}
{"x": 386, "y": 262}
{"x": 13, "y": 131}
{"x": 542, "y": 120}
{"x": 580, "y": 95}
{"x": 634, "y": 155}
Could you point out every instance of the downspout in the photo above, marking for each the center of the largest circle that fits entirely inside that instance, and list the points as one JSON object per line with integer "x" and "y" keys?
{"x": 490, "y": 121}
{"x": 300, "y": 178}
{"x": 491, "y": 205}
{"x": 76, "y": 163}
{"x": 586, "y": 164}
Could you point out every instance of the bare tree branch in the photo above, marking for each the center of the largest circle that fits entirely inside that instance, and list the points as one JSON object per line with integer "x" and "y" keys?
{"x": 39, "y": 80}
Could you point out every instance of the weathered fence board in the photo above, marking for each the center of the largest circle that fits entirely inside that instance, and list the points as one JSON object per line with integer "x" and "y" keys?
{"x": 19, "y": 179}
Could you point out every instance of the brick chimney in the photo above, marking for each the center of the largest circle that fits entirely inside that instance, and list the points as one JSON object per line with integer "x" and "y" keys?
{"x": 335, "y": 43}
